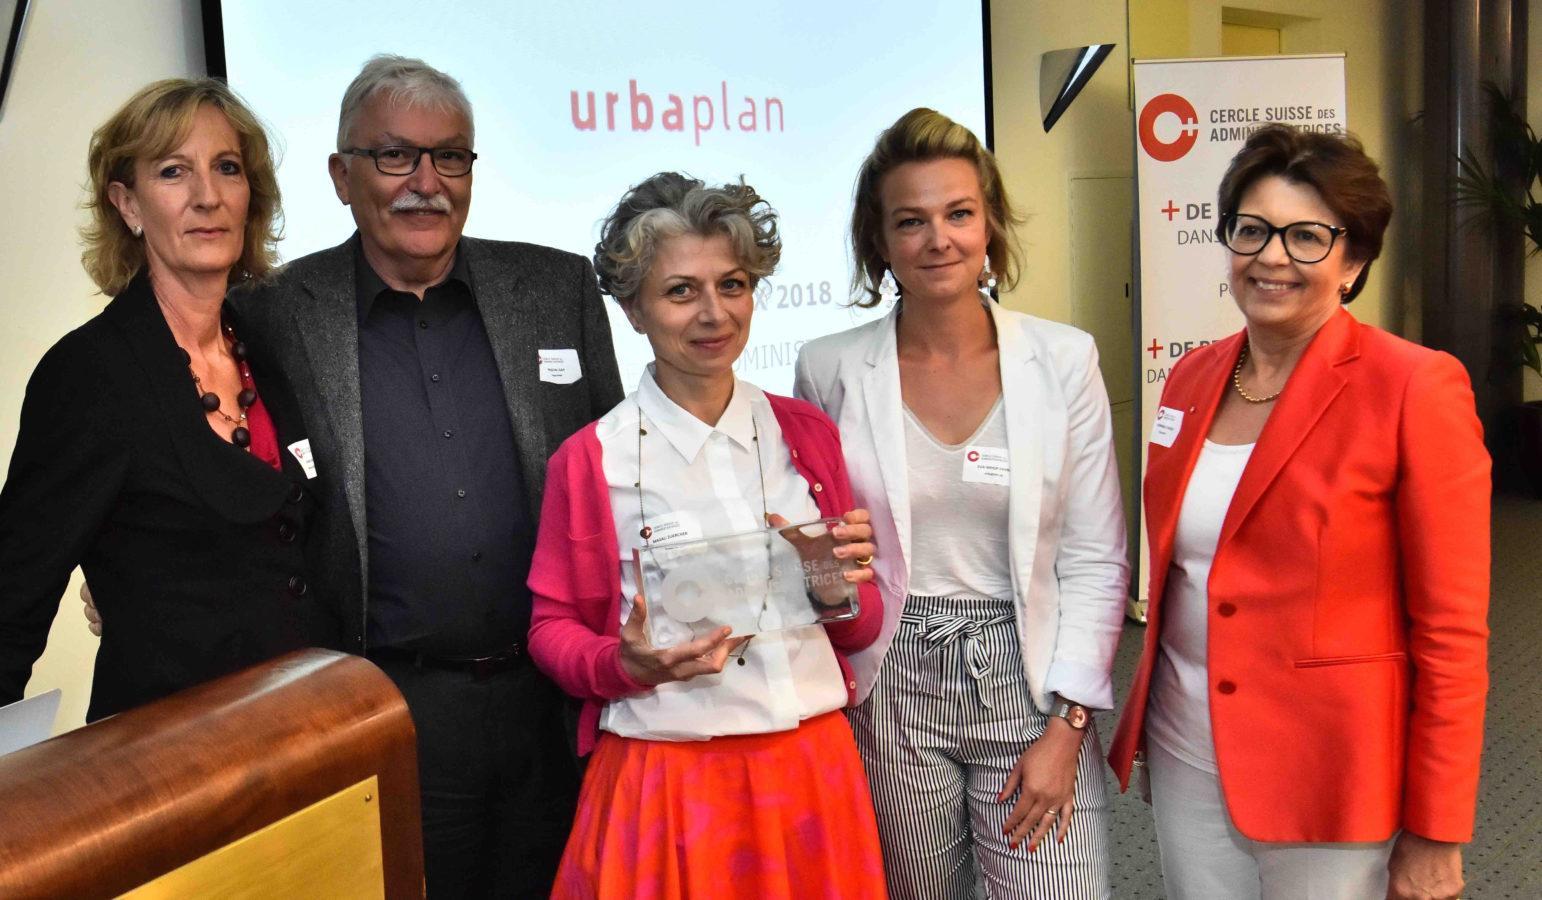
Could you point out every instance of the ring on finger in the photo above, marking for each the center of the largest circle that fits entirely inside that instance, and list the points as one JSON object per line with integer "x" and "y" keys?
{"x": 864, "y": 560}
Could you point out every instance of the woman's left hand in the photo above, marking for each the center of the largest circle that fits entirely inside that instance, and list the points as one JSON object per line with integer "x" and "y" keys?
{"x": 1045, "y": 781}
{"x": 1422, "y": 869}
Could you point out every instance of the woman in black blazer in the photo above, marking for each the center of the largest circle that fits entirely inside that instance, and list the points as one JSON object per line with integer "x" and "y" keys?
{"x": 149, "y": 453}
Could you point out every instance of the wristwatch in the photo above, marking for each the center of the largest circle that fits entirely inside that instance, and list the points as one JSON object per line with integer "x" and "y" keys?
{"x": 1075, "y": 715}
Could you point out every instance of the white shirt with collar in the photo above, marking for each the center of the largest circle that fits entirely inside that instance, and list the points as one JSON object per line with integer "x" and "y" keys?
{"x": 701, "y": 481}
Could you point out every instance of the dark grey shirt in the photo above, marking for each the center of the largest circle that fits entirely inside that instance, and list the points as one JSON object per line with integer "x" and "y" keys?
{"x": 450, "y": 534}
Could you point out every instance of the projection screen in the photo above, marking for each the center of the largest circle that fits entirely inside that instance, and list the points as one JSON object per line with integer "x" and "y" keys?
{"x": 575, "y": 101}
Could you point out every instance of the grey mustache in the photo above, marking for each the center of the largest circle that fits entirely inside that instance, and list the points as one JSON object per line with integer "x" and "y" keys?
{"x": 412, "y": 201}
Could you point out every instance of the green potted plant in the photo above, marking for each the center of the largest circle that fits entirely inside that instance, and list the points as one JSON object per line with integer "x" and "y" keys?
{"x": 1509, "y": 196}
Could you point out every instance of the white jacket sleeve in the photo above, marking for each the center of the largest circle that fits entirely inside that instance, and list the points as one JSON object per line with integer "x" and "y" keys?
{"x": 1092, "y": 565}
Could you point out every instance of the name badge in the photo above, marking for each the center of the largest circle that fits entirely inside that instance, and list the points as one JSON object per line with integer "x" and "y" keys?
{"x": 301, "y": 451}
{"x": 986, "y": 465}
{"x": 559, "y": 366}
{"x": 675, "y": 525}
{"x": 1165, "y": 430}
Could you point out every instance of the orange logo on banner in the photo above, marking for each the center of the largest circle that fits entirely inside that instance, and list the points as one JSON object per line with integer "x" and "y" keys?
{"x": 1153, "y": 110}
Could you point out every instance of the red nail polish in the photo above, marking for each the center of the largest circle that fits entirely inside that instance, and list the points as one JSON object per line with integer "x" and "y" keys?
{"x": 1013, "y": 845}
{"x": 1032, "y": 848}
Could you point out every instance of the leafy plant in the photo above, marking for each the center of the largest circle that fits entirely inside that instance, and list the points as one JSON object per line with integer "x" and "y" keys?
{"x": 1509, "y": 194}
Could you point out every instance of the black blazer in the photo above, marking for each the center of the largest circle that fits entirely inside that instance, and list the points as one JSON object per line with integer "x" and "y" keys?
{"x": 194, "y": 549}
{"x": 304, "y": 321}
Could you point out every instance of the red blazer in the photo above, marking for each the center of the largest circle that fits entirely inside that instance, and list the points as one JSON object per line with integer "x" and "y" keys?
{"x": 575, "y": 577}
{"x": 1348, "y": 598}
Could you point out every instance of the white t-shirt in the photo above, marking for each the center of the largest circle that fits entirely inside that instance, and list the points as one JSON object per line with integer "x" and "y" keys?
{"x": 959, "y": 494}
{"x": 1178, "y": 708}
{"x": 700, "y": 481}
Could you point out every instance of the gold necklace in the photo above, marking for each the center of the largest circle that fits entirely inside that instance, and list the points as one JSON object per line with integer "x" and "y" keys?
{"x": 1236, "y": 380}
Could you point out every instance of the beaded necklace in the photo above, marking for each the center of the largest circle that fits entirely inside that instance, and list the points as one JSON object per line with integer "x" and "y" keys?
{"x": 241, "y": 436}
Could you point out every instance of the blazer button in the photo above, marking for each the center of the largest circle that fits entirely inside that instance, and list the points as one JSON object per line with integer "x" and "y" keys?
{"x": 852, "y": 685}
{"x": 297, "y": 493}
{"x": 286, "y": 532}
{"x": 1226, "y": 687}
{"x": 818, "y": 487}
{"x": 297, "y": 586}
{"x": 1226, "y": 609}
{"x": 794, "y": 454}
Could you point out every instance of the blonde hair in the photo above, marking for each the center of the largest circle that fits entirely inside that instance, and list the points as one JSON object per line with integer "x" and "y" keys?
{"x": 924, "y": 135}
{"x": 151, "y": 124}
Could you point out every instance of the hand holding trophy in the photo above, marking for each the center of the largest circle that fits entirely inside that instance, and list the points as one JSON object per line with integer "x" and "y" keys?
{"x": 770, "y": 579}
{"x": 646, "y": 665}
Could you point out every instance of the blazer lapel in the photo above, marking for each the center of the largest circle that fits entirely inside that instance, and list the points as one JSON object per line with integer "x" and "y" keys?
{"x": 278, "y": 400}
{"x": 885, "y": 416}
{"x": 1168, "y": 468}
{"x": 507, "y": 304}
{"x": 1311, "y": 388}
{"x": 234, "y": 483}
{"x": 1023, "y": 402}
{"x": 329, "y": 326}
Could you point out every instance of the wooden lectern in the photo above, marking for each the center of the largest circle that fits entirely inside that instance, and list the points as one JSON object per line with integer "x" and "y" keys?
{"x": 297, "y": 778}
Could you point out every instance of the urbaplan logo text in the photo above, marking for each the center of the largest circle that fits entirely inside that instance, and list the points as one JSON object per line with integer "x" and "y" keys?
{"x": 708, "y": 112}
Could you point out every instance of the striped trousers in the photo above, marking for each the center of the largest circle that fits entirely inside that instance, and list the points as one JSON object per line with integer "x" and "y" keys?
{"x": 946, "y": 722}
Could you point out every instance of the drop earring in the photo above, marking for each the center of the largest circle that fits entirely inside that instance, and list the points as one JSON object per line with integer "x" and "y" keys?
{"x": 987, "y": 279}
{"x": 888, "y": 288}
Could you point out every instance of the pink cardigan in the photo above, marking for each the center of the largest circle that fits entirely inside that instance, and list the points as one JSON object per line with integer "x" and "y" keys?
{"x": 575, "y": 577}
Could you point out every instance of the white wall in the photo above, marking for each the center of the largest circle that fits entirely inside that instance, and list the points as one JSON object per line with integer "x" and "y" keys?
{"x": 77, "y": 62}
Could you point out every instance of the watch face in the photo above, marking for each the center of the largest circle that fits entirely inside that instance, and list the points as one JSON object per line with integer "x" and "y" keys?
{"x": 1077, "y": 716}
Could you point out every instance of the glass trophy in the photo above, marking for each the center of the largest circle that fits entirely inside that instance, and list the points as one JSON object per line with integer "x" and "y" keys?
{"x": 754, "y": 582}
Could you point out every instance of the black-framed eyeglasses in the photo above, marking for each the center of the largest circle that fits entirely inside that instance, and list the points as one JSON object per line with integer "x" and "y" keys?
{"x": 1304, "y": 242}
{"x": 394, "y": 159}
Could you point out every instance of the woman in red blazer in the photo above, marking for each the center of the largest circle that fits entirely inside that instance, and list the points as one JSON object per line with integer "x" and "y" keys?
{"x": 1310, "y": 698}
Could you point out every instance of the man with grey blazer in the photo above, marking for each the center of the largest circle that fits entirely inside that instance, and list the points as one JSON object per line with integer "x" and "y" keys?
{"x": 435, "y": 374}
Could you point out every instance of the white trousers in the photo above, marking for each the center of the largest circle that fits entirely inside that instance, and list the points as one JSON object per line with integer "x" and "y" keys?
{"x": 1205, "y": 857}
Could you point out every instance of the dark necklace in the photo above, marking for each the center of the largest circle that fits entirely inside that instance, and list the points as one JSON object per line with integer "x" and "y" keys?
{"x": 241, "y": 436}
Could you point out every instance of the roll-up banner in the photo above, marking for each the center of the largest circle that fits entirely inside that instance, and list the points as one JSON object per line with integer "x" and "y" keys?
{"x": 1191, "y": 118}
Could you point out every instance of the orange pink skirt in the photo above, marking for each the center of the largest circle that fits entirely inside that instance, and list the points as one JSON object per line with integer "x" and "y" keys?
{"x": 784, "y": 816}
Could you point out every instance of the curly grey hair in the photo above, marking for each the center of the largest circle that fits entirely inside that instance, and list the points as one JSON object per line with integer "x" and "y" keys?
{"x": 405, "y": 80}
{"x": 671, "y": 204}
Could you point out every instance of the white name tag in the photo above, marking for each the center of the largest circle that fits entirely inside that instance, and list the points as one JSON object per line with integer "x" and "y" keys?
{"x": 676, "y": 525}
{"x": 986, "y": 465}
{"x": 1165, "y": 430}
{"x": 559, "y": 366}
{"x": 302, "y": 452}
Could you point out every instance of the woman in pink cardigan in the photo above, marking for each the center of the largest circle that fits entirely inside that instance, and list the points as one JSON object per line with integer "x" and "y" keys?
{"x": 720, "y": 765}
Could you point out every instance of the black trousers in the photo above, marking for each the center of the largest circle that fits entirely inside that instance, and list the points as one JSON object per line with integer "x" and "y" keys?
{"x": 498, "y": 776}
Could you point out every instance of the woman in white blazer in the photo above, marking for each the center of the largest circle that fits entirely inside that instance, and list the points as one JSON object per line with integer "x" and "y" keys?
{"x": 981, "y": 441}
